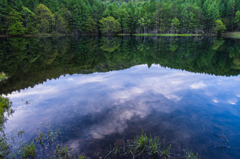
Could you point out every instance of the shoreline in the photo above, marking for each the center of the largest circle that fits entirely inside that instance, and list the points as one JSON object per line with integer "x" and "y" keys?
{"x": 161, "y": 34}
{"x": 43, "y": 35}
{"x": 226, "y": 35}
{"x": 235, "y": 35}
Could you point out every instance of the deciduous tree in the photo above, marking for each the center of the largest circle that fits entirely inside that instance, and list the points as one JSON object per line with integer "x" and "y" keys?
{"x": 44, "y": 18}
{"x": 109, "y": 25}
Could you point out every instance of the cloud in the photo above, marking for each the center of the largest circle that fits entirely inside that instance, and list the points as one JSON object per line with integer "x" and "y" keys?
{"x": 232, "y": 101}
{"x": 127, "y": 94}
{"x": 198, "y": 85}
{"x": 70, "y": 79}
{"x": 37, "y": 90}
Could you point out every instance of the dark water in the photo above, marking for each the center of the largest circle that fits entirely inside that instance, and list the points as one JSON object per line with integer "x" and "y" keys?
{"x": 100, "y": 91}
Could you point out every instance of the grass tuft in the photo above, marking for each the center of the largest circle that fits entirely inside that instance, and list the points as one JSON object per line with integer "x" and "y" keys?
{"x": 82, "y": 157}
{"x": 141, "y": 146}
{"x": 191, "y": 155}
{"x": 28, "y": 151}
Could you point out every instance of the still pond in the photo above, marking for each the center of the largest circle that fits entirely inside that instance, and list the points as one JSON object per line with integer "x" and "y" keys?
{"x": 101, "y": 91}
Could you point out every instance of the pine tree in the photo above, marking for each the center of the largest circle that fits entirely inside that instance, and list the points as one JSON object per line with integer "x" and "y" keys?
{"x": 175, "y": 25}
{"x": 15, "y": 23}
{"x": 237, "y": 19}
{"x": 53, "y": 5}
{"x": 3, "y": 14}
{"x": 28, "y": 17}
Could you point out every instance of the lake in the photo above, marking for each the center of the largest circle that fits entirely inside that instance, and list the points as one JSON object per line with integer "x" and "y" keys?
{"x": 101, "y": 91}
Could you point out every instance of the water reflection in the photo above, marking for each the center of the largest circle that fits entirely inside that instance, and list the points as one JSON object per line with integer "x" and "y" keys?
{"x": 29, "y": 61}
{"x": 99, "y": 109}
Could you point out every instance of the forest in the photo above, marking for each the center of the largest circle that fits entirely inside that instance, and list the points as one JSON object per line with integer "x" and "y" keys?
{"x": 19, "y": 17}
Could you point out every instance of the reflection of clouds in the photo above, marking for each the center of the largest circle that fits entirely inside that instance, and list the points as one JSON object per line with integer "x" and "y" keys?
{"x": 38, "y": 90}
{"x": 130, "y": 93}
{"x": 90, "y": 79}
{"x": 117, "y": 119}
{"x": 198, "y": 85}
{"x": 232, "y": 101}
{"x": 164, "y": 85}
{"x": 126, "y": 94}
{"x": 70, "y": 79}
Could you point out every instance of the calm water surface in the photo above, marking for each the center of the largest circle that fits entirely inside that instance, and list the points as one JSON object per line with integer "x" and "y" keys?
{"x": 100, "y": 91}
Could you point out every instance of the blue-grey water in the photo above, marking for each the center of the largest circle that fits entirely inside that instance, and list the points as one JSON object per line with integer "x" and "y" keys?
{"x": 99, "y": 92}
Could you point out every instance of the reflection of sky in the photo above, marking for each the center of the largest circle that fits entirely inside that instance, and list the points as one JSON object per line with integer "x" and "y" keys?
{"x": 123, "y": 95}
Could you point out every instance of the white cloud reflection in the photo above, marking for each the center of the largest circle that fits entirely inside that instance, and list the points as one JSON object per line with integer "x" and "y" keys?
{"x": 135, "y": 92}
{"x": 198, "y": 85}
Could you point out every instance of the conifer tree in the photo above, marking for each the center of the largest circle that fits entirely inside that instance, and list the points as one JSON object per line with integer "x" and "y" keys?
{"x": 15, "y": 23}
{"x": 237, "y": 19}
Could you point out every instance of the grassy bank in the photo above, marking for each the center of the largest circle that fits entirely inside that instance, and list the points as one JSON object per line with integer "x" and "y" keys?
{"x": 160, "y": 34}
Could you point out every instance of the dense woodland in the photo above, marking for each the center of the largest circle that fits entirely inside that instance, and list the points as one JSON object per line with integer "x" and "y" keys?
{"x": 29, "y": 61}
{"x": 18, "y": 17}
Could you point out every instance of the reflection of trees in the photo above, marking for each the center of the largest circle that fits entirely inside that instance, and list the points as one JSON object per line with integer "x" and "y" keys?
{"x": 49, "y": 53}
{"x": 33, "y": 60}
{"x": 110, "y": 44}
{"x": 217, "y": 44}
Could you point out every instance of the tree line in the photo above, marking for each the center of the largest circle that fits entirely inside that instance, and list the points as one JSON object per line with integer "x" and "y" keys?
{"x": 18, "y": 17}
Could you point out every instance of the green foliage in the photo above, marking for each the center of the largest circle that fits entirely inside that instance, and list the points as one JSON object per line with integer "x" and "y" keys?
{"x": 144, "y": 22}
{"x": 175, "y": 25}
{"x": 44, "y": 18}
{"x": 237, "y": 19}
{"x": 28, "y": 18}
{"x": 28, "y": 151}
{"x": 81, "y": 16}
{"x": 109, "y": 25}
{"x": 15, "y": 23}
{"x": 219, "y": 26}
{"x": 90, "y": 25}
{"x": 59, "y": 23}
{"x": 4, "y": 105}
